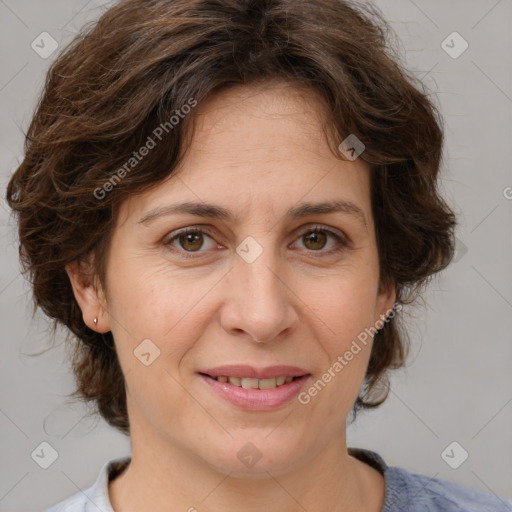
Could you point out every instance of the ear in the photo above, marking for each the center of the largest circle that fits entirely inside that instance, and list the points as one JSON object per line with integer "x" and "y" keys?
{"x": 89, "y": 294}
{"x": 386, "y": 298}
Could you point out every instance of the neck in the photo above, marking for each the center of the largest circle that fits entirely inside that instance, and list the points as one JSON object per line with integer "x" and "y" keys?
{"x": 163, "y": 476}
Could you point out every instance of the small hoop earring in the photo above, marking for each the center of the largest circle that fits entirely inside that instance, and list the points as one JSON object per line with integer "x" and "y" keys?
{"x": 95, "y": 321}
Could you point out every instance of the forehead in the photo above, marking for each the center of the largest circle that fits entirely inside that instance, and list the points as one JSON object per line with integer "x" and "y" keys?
{"x": 259, "y": 150}
{"x": 259, "y": 117}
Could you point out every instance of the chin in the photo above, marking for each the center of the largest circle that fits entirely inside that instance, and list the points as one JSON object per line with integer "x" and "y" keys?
{"x": 255, "y": 454}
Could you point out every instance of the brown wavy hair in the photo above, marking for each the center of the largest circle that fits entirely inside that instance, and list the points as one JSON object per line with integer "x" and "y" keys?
{"x": 127, "y": 73}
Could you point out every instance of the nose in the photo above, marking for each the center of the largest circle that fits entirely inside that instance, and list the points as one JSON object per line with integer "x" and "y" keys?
{"x": 260, "y": 303}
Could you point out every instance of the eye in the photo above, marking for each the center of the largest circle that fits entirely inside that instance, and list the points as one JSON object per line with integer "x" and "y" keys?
{"x": 192, "y": 239}
{"x": 315, "y": 239}
{"x": 189, "y": 240}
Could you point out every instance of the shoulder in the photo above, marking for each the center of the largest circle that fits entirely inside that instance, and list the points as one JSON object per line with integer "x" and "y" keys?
{"x": 410, "y": 491}
{"x": 75, "y": 503}
{"x": 96, "y": 496}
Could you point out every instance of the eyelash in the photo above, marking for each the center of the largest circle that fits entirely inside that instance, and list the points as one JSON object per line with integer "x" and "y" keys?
{"x": 342, "y": 242}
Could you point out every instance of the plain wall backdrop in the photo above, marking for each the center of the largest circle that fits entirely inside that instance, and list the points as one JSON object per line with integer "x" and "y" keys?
{"x": 457, "y": 386}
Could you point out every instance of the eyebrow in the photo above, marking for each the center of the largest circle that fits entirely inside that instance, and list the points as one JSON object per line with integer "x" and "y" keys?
{"x": 218, "y": 212}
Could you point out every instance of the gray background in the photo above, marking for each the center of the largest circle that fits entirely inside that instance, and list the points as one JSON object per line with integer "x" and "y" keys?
{"x": 458, "y": 384}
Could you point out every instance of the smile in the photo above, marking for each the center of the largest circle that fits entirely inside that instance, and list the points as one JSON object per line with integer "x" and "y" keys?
{"x": 255, "y": 394}
{"x": 250, "y": 383}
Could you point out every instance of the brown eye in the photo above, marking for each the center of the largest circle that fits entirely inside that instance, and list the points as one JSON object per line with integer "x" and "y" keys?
{"x": 314, "y": 240}
{"x": 191, "y": 241}
{"x": 317, "y": 240}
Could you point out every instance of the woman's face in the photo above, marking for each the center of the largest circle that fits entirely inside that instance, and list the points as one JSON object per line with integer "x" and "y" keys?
{"x": 253, "y": 288}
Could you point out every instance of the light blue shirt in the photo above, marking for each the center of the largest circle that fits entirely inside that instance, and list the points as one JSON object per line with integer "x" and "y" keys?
{"x": 405, "y": 491}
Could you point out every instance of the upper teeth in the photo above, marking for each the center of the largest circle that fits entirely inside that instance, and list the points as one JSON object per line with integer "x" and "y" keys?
{"x": 248, "y": 383}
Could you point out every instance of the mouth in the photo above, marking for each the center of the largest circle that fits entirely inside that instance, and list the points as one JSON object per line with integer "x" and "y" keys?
{"x": 255, "y": 389}
{"x": 252, "y": 383}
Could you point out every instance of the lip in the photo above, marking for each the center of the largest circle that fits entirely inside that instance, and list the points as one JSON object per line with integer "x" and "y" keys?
{"x": 255, "y": 373}
{"x": 256, "y": 399}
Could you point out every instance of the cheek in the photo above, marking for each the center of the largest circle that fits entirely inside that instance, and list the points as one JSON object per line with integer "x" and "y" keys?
{"x": 344, "y": 316}
{"x": 342, "y": 348}
{"x": 345, "y": 306}
{"x": 159, "y": 306}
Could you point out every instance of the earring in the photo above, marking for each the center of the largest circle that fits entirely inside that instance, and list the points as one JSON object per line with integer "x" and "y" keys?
{"x": 95, "y": 321}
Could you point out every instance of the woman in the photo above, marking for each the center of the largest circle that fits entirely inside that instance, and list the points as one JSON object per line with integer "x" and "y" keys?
{"x": 227, "y": 203}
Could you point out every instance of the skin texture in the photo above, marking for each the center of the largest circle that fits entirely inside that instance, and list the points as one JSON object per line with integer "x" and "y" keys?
{"x": 257, "y": 151}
